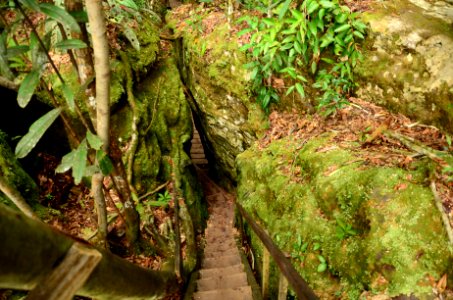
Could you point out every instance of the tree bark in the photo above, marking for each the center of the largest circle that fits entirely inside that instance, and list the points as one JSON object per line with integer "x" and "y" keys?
{"x": 102, "y": 69}
{"x": 31, "y": 249}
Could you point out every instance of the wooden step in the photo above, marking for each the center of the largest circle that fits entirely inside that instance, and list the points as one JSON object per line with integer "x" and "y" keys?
{"x": 197, "y": 155}
{"x": 206, "y": 273}
{"x": 221, "y": 261}
{"x": 196, "y": 146}
{"x": 200, "y": 161}
{"x": 222, "y": 281}
{"x": 242, "y": 293}
{"x": 216, "y": 253}
{"x": 196, "y": 151}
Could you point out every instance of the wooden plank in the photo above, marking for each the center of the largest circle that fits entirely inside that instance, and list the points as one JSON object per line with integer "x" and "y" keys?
{"x": 299, "y": 285}
{"x": 197, "y": 155}
{"x": 69, "y": 276}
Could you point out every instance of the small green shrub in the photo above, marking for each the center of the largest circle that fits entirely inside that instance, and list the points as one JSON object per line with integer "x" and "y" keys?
{"x": 315, "y": 41}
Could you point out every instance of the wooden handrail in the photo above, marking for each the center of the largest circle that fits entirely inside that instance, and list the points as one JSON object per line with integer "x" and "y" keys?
{"x": 299, "y": 285}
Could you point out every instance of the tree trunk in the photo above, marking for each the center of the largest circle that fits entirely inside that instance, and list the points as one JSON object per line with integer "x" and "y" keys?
{"x": 31, "y": 249}
{"x": 102, "y": 70}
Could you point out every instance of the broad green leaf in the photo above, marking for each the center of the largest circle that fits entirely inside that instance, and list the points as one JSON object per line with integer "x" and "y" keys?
{"x": 322, "y": 267}
{"x": 290, "y": 90}
{"x": 80, "y": 162}
{"x": 341, "y": 18}
{"x": 17, "y": 50}
{"x": 94, "y": 141}
{"x": 80, "y": 16}
{"x": 104, "y": 162}
{"x": 321, "y": 258}
{"x": 31, "y": 4}
{"x": 70, "y": 44}
{"x": 300, "y": 90}
{"x": 314, "y": 66}
{"x": 244, "y": 31}
{"x": 27, "y": 88}
{"x": 68, "y": 95}
{"x": 66, "y": 162}
{"x": 358, "y": 34}
{"x": 327, "y": 4}
{"x": 283, "y": 9}
{"x": 129, "y": 3}
{"x": 313, "y": 28}
{"x": 60, "y": 15}
{"x": 36, "y": 131}
{"x": 312, "y": 7}
{"x": 343, "y": 28}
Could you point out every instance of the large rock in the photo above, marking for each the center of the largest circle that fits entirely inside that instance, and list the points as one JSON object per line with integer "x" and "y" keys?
{"x": 377, "y": 228}
{"x": 408, "y": 63}
{"x": 212, "y": 68}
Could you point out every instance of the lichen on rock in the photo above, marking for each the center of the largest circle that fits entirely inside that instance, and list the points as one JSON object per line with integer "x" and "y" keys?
{"x": 212, "y": 68}
{"x": 397, "y": 240}
{"x": 408, "y": 64}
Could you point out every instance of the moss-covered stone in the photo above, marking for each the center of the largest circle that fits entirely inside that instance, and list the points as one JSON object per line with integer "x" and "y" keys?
{"x": 212, "y": 68}
{"x": 15, "y": 176}
{"x": 397, "y": 239}
{"x": 408, "y": 64}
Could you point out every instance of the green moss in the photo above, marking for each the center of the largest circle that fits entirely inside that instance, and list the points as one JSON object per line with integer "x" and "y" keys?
{"x": 148, "y": 37}
{"x": 399, "y": 239}
{"x": 15, "y": 176}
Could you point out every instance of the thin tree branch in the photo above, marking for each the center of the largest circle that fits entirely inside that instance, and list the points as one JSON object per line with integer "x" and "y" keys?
{"x": 15, "y": 196}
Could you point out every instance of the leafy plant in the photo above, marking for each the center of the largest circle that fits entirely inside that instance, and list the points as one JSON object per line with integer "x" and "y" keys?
{"x": 319, "y": 35}
{"x": 344, "y": 230}
{"x": 164, "y": 197}
{"x": 322, "y": 264}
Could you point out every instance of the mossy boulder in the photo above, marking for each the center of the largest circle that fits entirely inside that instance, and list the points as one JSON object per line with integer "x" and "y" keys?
{"x": 377, "y": 228}
{"x": 164, "y": 127}
{"x": 212, "y": 68}
{"x": 408, "y": 64}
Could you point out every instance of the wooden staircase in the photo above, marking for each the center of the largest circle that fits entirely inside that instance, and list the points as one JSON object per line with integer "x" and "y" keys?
{"x": 196, "y": 151}
{"x": 222, "y": 274}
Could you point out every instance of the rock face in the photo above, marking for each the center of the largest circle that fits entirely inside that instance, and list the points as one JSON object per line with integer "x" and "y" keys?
{"x": 212, "y": 68}
{"x": 408, "y": 63}
{"x": 347, "y": 228}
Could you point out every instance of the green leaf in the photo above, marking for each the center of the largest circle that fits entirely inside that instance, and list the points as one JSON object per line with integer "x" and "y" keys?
{"x": 80, "y": 16}
{"x": 94, "y": 141}
{"x": 129, "y": 3}
{"x": 300, "y": 89}
{"x": 358, "y": 34}
{"x": 17, "y": 50}
{"x": 80, "y": 162}
{"x": 290, "y": 90}
{"x": 313, "y": 28}
{"x": 321, "y": 259}
{"x": 341, "y": 18}
{"x": 60, "y": 15}
{"x": 66, "y": 162}
{"x": 322, "y": 268}
{"x": 70, "y": 44}
{"x": 343, "y": 28}
{"x": 31, "y": 4}
{"x": 68, "y": 94}
{"x": 283, "y": 9}
{"x": 312, "y": 7}
{"x": 316, "y": 246}
{"x": 36, "y": 131}
{"x": 244, "y": 31}
{"x": 104, "y": 162}
{"x": 27, "y": 88}
{"x": 327, "y": 4}
{"x": 314, "y": 66}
